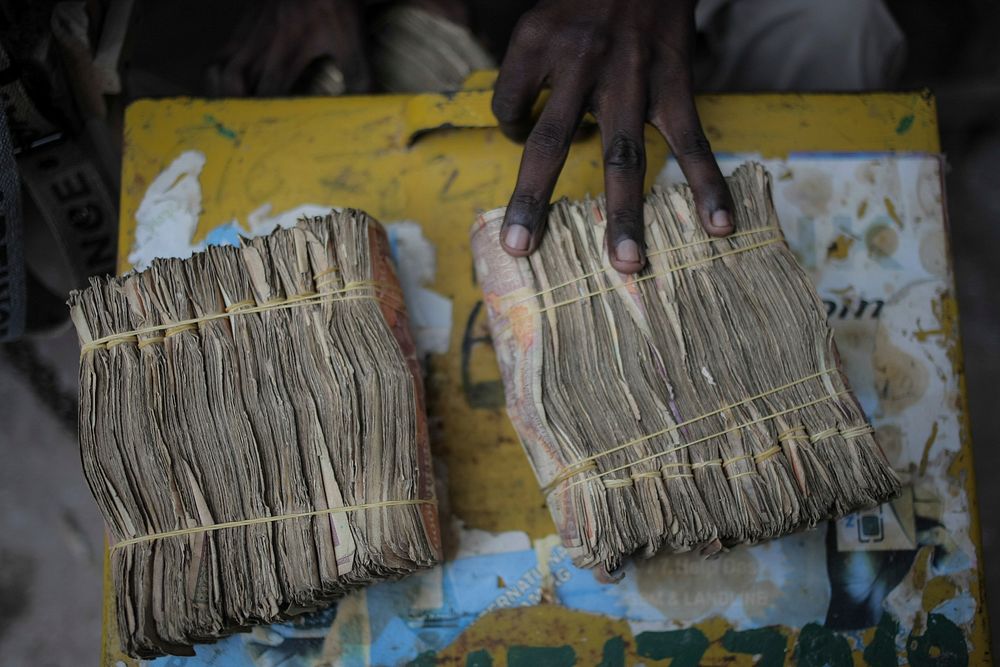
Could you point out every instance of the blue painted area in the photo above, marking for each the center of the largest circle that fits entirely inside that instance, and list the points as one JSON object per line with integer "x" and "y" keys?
{"x": 227, "y": 234}
{"x": 468, "y": 587}
{"x": 959, "y": 610}
{"x": 398, "y": 630}
{"x": 390, "y": 232}
{"x": 295, "y": 644}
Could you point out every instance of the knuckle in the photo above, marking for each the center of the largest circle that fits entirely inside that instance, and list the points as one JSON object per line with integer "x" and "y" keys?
{"x": 581, "y": 40}
{"x": 693, "y": 144}
{"x": 674, "y": 69}
{"x": 525, "y": 209}
{"x": 625, "y": 154}
{"x": 590, "y": 44}
{"x": 549, "y": 139}
{"x": 633, "y": 59}
{"x": 505, "y": 108}
{"x": 626, "y": 221}
{"x": 531, "y": 30}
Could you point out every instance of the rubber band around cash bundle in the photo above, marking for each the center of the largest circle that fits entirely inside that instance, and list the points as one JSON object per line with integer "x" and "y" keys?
{"x": 239, "y": 308}
{"x": 549, "y": 489}
{"x": 634, "y": 281}
{"x": 589, "y": 462}
{"x": 196, "y": 530}
{"x": 650, "y": 253}
{"x": 610, "y": 393}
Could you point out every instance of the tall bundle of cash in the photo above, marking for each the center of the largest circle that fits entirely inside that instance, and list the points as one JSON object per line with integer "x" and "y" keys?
{"x": 252, "y": 425}
{"x": 698, "y": 404}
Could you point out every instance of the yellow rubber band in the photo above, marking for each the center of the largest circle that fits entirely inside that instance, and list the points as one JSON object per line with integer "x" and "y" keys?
{"x": 823, "y": 435}
{"x": 651, "y": 276}
{"x": 238, "y": 309}
{"x": 146, "y": 342}
{"x": 857, "y": 431}
{"x": 195, "y": 530}
{"x": 123, "y": 339}
{"x": 584, "y": 464}
{"x": 239, "y": 305}
{"x": 767, "y": 453}
{"x": 332, "y": 270}
{"x": 178, "y": 329}
{"x": 652, "y": 253}
{"x": 793, "y": 433}
{"x": 700, "y": 440}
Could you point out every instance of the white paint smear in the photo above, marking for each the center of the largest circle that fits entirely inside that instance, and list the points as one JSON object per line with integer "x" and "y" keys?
{"x": 416, "y": 262}
{"x": 168, "y": 215}
{"x": 475, "y": 542}
{"x": 260, "y": 222}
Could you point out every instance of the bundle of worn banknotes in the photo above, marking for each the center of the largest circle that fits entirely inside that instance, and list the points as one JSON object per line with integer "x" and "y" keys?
{"x": 252, "y": 425}
{"x": 252, "y": 419}
{"x": 696, "y": 405}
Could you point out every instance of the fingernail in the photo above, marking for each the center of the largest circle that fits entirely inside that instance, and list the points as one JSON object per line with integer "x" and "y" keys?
{"x": 627, "y": 250}
{"x": 721, "y": 220}
{"x": 517, "y": 237}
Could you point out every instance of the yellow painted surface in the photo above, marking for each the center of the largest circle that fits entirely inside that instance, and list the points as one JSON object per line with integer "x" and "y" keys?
{"x": 439, "y": 159}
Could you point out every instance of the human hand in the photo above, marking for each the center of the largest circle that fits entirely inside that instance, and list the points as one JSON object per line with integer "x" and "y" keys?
{"x": 275, "y": 41}
{"x": 626, "y": 61}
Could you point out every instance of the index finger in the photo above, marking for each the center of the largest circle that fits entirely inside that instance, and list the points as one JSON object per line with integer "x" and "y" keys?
{"x": 517, "y": 87}
{"x": 673, "y": 113}
{"x": 544, "y": 156}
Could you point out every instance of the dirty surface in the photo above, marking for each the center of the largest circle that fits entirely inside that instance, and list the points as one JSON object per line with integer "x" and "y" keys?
{"x": 443, "y": 176}
{"x": 70, "y": 546}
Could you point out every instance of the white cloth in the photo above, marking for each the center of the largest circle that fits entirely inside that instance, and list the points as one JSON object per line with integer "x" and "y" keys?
{"x": 800, "y": 45}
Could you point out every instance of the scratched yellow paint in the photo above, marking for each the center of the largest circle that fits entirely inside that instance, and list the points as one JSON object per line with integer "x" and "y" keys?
{"x": 438, "y": 159}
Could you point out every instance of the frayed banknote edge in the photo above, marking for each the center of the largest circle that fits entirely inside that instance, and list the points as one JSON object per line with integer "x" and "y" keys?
{"x": 167, "y": 221}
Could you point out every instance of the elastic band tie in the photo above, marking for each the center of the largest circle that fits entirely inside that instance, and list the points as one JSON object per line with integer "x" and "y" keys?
{"x": 195, "y": 530}
{"x": 857, "y": 431}
{"x": 146, "y": 342}
{"x": 824, "y": 434}
{"x": 584, "y": 464}
{"x": 686, "y": 445}
{"x": 651, "y": 253}
{"x": 794, "y": 433}
{"x": 178, "y": 329}
{"x": 641, "y": 279}
{"x": 767, "y": 453}
{"x": 123, "y": 339}
{"x": 239, "y": 305}
{"x": 240, "y": 308}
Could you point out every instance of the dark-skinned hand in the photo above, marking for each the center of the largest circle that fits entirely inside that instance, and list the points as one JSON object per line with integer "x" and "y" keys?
{"x": 626, "y": 62}
{"x": 276, "y": 40}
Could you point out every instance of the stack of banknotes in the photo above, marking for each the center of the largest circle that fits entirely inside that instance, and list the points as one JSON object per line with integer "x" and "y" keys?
{"x": 252, "y": 425}
{"x": 697, "y": 405}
